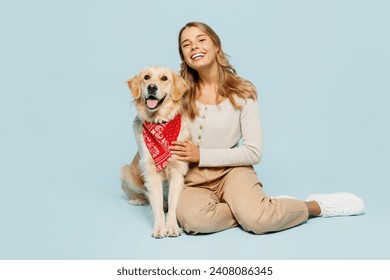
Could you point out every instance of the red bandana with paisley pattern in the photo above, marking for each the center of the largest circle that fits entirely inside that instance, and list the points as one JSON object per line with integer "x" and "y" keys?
{"x": 158, "y": 138}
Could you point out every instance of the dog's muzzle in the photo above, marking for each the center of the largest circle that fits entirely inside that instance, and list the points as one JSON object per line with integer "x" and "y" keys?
{"x": 152, "y": 102}
{"x": 152, "y": 89}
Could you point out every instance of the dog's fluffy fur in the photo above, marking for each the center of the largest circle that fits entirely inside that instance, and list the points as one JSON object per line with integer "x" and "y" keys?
{"x": 140, "y": 180}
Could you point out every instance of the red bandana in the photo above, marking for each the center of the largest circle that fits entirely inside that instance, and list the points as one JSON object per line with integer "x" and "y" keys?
{"x": 158, "y": 137}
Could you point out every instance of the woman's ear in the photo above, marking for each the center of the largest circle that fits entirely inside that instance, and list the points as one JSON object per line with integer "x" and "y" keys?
{"x": 134, "y": 85}
{"x": 179, "y": 87}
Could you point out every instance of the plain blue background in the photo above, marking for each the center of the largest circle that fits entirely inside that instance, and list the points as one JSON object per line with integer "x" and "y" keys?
{"x": 322, "y": 72}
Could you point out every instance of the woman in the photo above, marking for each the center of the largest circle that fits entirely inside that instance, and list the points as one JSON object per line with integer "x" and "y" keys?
{"x": 223, "y": 190}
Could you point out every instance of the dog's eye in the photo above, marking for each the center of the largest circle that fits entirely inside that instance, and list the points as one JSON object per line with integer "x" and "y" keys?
{"x": 164, "y": 78}
{"x": 146, "y": 77}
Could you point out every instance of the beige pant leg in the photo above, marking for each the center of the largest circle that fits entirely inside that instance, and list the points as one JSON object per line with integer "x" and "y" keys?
{"x": 254, "y": 210}
{"x": 200, "y": 211}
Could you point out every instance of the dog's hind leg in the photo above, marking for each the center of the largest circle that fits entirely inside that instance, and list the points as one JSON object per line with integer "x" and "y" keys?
{"x": 134, "y": 197}
{"x": 132, "y": 183}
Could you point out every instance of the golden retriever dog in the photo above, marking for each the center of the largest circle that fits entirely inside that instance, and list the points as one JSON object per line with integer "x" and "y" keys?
{"x": 157, "y": 93}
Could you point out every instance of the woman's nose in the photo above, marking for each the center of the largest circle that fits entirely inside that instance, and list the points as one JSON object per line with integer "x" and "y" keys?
{"x": 195, "y": 46}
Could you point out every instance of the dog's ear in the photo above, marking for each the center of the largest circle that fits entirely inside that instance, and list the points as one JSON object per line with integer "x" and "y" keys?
{"x": 180, "y": 86}
{"x": 135, "y": 86}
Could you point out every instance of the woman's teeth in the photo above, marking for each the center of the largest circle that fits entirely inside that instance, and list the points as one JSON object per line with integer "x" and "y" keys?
{"x": 197, "y": 55}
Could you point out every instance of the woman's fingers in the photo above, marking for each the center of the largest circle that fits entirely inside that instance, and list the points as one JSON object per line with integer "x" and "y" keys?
{"x": 179, "y": 143}
{"x": 179, "y": 146}
{"x": 185, "y": 150}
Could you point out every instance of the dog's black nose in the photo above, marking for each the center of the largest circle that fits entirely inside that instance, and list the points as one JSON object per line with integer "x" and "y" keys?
{"x": 152, "y": 88}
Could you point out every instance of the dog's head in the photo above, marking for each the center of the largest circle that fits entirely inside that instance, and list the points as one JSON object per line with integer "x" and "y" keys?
{"x": 157, "y": 92}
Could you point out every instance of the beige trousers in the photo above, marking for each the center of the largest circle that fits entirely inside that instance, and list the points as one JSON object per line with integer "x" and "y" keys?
{"x": 216, "y": 199}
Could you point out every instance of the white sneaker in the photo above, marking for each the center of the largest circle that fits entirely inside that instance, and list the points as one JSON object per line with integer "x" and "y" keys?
{"x": 338, "y": 204}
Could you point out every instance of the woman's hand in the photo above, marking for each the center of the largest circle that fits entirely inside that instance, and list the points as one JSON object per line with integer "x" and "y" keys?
{"x": 185, "y": 151}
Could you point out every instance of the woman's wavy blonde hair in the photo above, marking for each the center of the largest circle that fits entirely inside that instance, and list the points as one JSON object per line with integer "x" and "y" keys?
{"x": 231, "y": 84}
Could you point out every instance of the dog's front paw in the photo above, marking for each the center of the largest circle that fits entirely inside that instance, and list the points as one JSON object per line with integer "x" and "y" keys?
{"x": 173, "y": 230}
{"x": 159, "y": 231}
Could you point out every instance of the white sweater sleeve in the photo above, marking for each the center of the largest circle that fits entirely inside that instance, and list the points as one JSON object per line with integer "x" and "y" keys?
{"x": 250, "y": 150}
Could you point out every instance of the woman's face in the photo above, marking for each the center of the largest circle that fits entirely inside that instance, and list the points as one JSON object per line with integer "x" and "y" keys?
{"x": 198, "y": 49}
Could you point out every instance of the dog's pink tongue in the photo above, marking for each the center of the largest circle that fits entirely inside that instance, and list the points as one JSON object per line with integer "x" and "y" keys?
{"x": 152, "y": 103}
